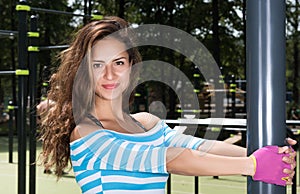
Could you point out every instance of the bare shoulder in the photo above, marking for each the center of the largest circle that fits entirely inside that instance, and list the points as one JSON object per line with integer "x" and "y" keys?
{"x": 148, "y": 120}
{"x": 75, "y": 134}
{"x": 82, "y": 130}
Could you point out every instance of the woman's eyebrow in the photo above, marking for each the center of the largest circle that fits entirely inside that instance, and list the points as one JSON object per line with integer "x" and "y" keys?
{"x": 119, "y": 58}
{"x": 96, "y": 60}
{"x": 101, "y": 61}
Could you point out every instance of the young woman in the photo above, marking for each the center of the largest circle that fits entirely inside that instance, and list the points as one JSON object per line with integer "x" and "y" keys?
{"x": 112, "y": 151}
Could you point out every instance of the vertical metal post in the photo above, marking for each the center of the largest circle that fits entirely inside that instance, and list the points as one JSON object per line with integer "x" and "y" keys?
{"x": 232, "y": 90}
{"x": 294, "y": 186}
{"x": 196, "y": 186}
{"x": 22, "y": 79}
{"x": 265, "y": 81}
{"x": 33, "y": 49}
{"x": 10, "y": 131}
{"x": 13, "y": 62}
{"x": 169, "y": 185}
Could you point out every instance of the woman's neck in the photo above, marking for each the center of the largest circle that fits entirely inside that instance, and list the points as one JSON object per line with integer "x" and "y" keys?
{"x": 111, "y": 116}
{"x": 108, "y": 109}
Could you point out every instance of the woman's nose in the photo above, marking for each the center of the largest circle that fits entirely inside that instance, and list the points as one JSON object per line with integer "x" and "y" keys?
{"x": 108, "y": 72}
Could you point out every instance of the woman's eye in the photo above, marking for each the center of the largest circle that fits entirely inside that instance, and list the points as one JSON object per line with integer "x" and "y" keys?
{"x": 119, "y": 63}
{"x": 97, "y": 65}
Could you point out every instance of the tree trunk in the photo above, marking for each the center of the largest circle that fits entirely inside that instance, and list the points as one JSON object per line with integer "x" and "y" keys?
{"x": 215, "y": 28}
{"x": 296, "y": 56}
{"x": 121, "y": 8}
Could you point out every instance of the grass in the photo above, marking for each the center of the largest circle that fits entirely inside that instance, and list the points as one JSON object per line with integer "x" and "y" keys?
{"x": 47, "y": 184}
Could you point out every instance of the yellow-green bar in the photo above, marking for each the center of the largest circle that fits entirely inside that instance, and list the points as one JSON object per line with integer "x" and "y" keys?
{"x": 215, "y": 129}
{"x": 22, "y": 72}
{"x": 23, "y": 8}
{"x": 33, "y": 34}
{"x": 10, "y": 107}
{"x": 33, "y": 49}
{"x": 97, "y": 17}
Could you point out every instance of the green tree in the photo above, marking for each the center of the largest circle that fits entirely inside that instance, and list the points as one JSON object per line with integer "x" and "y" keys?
{"x": 293, "y": 36}
{"x": 207, "y": 20}
{"x": 8, "y": 50}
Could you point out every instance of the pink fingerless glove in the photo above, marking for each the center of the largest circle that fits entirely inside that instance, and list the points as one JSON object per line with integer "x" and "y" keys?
{"x": 269, "y": 166}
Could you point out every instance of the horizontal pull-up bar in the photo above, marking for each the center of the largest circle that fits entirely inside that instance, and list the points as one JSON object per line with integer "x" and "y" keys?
{"x": 7, "y": 72}
{"x": 225, "y": 122}
{"x": 16, "y": 72}
{"x": 42, "y": 48}
{"x": 53, "y": 47}
{"x": 8, "y": 33}
{"x": 51, "y": 11}
{"x": 57, "y": 12}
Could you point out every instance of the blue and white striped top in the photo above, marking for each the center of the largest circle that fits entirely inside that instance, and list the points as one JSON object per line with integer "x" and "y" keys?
{"x": 110, "y": 162}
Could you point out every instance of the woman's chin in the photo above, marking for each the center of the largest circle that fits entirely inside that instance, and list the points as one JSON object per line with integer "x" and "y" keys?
{"x": 111, "y": 96}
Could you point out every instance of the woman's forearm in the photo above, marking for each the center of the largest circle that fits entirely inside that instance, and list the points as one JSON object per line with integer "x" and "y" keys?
{"x": 194, "y": 163}
{"x": 222, "y": 148}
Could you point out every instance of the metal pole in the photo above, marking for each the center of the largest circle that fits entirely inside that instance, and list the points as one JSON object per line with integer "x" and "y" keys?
{"x": 169, "y": 185}
{"x": 265, "y": 81}
{"x": 13, "y": 61}
{"x": 196, "y": 186}
{"x": 53, "y": 47}
{"x": 8, "y": 33}
{"x": 51, "y": 11}
{"x": 232, "y": 90}
{"x": 33, "y": 95}
{"x": 21, "y": 124}
{"x": 8, "y": 73}
{"x": 10, "y": 131}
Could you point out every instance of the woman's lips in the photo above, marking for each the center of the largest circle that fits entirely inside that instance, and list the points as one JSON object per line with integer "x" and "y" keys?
{"x": 110, "y": 86}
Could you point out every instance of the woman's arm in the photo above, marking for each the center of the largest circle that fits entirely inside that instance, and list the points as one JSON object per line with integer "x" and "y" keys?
{"x": 222, "y": 148}
{"x": 191, "y": 162}
{"x": 195, "y": 163}
{"x": 226, "y": 149}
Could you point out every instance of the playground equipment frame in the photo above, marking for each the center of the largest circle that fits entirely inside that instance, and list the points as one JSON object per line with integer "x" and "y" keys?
{"x": 265, "y": 31}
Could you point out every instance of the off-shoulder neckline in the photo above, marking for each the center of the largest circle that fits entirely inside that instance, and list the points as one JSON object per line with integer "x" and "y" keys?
{"x": 150, "y": 131}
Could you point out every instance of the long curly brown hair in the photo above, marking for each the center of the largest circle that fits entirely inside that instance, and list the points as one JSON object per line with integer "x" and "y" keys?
{"x": 73, "y": 80}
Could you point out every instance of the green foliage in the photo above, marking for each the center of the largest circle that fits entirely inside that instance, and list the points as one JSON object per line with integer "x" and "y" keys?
{"x": 7, "y": 47}
{"x": 193, "y": 16}
{"x": 54, "y": 30}
{"x": 293, "y": 49}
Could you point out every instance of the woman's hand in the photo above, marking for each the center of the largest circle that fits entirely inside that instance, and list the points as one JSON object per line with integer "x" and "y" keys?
{"x": 290, "y": 160}
{"x": 274, "y": 165}
{"x": 290, "y": 141}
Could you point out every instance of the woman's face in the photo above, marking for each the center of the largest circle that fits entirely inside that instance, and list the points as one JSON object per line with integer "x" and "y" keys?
{"x": 111, "y": 67}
